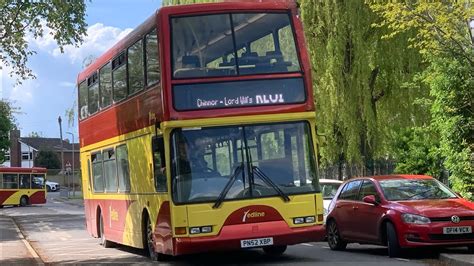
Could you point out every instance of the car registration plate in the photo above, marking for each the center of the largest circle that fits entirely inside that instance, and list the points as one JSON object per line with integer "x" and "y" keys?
{"x": 257, "y": 242}
{"x": 457, "y": 230}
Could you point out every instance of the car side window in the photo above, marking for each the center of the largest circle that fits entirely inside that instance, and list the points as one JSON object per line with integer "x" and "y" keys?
{"x": 351, "y": 190}
{"x": 367, "y": 188}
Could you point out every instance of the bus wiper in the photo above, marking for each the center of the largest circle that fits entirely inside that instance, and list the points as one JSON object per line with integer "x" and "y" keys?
{"x": 269, "y": 182}
{"x": 227, "y": 187}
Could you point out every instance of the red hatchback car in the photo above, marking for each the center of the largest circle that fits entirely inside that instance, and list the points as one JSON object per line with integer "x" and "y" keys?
{"x": 399, "y": 211}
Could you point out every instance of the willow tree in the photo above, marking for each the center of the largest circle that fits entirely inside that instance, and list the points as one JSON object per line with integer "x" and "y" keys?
{"x": 445, "y": 41}
{"x": 359, "y": 81}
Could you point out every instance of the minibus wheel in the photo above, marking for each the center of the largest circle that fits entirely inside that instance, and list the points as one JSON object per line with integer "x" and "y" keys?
{"x": 23, "y": 201}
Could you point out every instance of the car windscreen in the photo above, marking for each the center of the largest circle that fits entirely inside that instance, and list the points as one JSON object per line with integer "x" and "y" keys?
{"x": 414, "y": 189}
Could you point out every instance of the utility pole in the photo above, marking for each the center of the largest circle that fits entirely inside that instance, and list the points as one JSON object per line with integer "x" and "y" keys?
{"x": 62, "y": 150}
{"x": 73, "y": 174}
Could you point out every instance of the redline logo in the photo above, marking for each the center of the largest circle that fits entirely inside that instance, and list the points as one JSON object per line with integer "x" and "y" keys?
{"x": 254, "y": 214}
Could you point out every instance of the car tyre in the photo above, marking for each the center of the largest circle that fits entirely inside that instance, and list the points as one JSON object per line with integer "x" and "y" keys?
{"x": 48, "y": 188}
{"x": 394, "y": 249}
{"x": 23, "y": 201}
{"x": 103, "y": 241}
{"x": 275, "y": 250}
{"x": 335, "y": 240}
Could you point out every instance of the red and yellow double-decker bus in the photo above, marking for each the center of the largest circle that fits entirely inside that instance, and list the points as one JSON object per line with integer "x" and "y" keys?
{"x": 22, "y": 186}
{"x": 197, "y": 133}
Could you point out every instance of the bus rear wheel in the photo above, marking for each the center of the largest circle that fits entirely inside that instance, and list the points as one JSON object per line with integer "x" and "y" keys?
{"x": 275, "y": 250}
{"x": 23, "y": 201}
{"x": 103, "y": 241}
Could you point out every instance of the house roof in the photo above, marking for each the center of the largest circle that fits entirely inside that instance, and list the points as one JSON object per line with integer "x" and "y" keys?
{"x": 51, "y": 144}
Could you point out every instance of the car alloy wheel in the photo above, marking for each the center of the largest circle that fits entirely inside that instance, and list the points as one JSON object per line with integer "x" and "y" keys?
{"x": 334, "y": 238}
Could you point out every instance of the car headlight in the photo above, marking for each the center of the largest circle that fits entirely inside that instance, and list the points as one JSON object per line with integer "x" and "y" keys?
{"x": 415, "y": 219}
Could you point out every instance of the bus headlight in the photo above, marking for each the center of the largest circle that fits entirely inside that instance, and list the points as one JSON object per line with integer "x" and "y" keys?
{"x": 200, "y": 230}
{"x": 206, "y": 229}
{"x": 195, "y": 230}
{"x": 302, "y": 220}
{"x": 298, "y": 220}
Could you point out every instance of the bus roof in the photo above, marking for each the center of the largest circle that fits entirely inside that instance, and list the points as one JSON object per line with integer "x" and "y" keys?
{"x": 23, "y": 170}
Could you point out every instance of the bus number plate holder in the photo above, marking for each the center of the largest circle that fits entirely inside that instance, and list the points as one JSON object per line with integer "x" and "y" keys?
{"x": 257, "y": 242}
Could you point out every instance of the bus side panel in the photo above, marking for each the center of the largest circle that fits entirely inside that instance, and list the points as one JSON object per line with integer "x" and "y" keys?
{"x": 5, "y": 197}
{"x": 38, "y": 197}
{"x": 91, "y": 222}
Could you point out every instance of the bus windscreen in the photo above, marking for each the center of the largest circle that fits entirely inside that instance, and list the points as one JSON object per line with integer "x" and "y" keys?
{"x": 233, "y": 44}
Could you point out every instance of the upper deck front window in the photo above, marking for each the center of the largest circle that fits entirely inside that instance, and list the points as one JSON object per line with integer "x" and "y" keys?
{"x": 233, "y": 44}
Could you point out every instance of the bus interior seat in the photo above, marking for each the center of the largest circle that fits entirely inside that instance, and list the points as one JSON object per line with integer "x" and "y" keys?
{"x": 190, "y": 61}
{"x": 280, "y": 171}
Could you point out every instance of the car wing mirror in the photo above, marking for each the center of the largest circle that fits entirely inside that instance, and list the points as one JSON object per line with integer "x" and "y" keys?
{"x": 370, "y": 199}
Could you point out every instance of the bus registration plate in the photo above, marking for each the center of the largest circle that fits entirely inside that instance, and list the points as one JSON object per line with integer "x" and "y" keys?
{"x": 257, "y": 242}
{"x": 457, "y": 230}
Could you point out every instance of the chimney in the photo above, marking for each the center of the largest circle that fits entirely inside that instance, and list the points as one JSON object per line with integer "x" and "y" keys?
{"x": 15, "y": 148}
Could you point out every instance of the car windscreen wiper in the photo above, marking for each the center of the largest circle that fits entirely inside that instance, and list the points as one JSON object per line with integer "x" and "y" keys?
{"x": 269, "y": 182}
{"x": 227, "y": 187}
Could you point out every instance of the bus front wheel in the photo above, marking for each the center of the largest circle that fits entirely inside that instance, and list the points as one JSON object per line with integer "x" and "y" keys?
{"x": 23, "y": 201}
{"x": 150, "y": 243}
{"x": 274, "y": 250}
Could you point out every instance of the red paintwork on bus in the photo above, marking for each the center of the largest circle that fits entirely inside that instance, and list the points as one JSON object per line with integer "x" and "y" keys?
{"x": 163, "y": 230}
{"x": 23, "y": 170}
{"x": 39, "y": 197}
{"x": 155, "y": 104}
{"x": 230, "y": 236}
{"x": 113, "y": 225}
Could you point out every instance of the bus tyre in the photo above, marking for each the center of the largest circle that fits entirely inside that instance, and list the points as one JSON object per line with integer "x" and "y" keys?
{"x": 23, "y": 201}
{"x": 470, "y": 248}
{"x": 150, "y": 244}
{"x": 274, "y": 250}
{"x": 334, "y": 237}
{"x": 103, "y": 241}
{"x": 394, "y": 249}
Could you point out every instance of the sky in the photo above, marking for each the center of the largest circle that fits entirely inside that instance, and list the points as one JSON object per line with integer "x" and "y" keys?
{"x": 47, "y": 97}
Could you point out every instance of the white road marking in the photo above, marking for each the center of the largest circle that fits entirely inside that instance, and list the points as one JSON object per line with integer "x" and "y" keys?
{"x": 307, "y": 244}
{"x": 27, "y": 244}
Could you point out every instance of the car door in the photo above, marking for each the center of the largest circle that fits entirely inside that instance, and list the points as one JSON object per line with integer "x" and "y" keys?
{"x": 344, "y": 209}
{"x": 366, "y": 216}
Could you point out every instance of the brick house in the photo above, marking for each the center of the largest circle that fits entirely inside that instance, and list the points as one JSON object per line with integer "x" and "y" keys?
{"x": 23, "y": 150}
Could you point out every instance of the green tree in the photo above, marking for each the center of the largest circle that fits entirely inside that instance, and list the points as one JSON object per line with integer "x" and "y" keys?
{"x": 48, "y": 159}
{"x": 445, "y": 42}
{"x": 22, "y": 20}
{"x": 416, "y": 151}
{"x": 7, "y": 123}
{"x": 359, "y": 80}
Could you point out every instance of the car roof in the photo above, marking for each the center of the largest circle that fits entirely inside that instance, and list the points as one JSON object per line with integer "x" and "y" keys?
{"x": 396, "y": 176}
{"x": 335, "y": 181}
